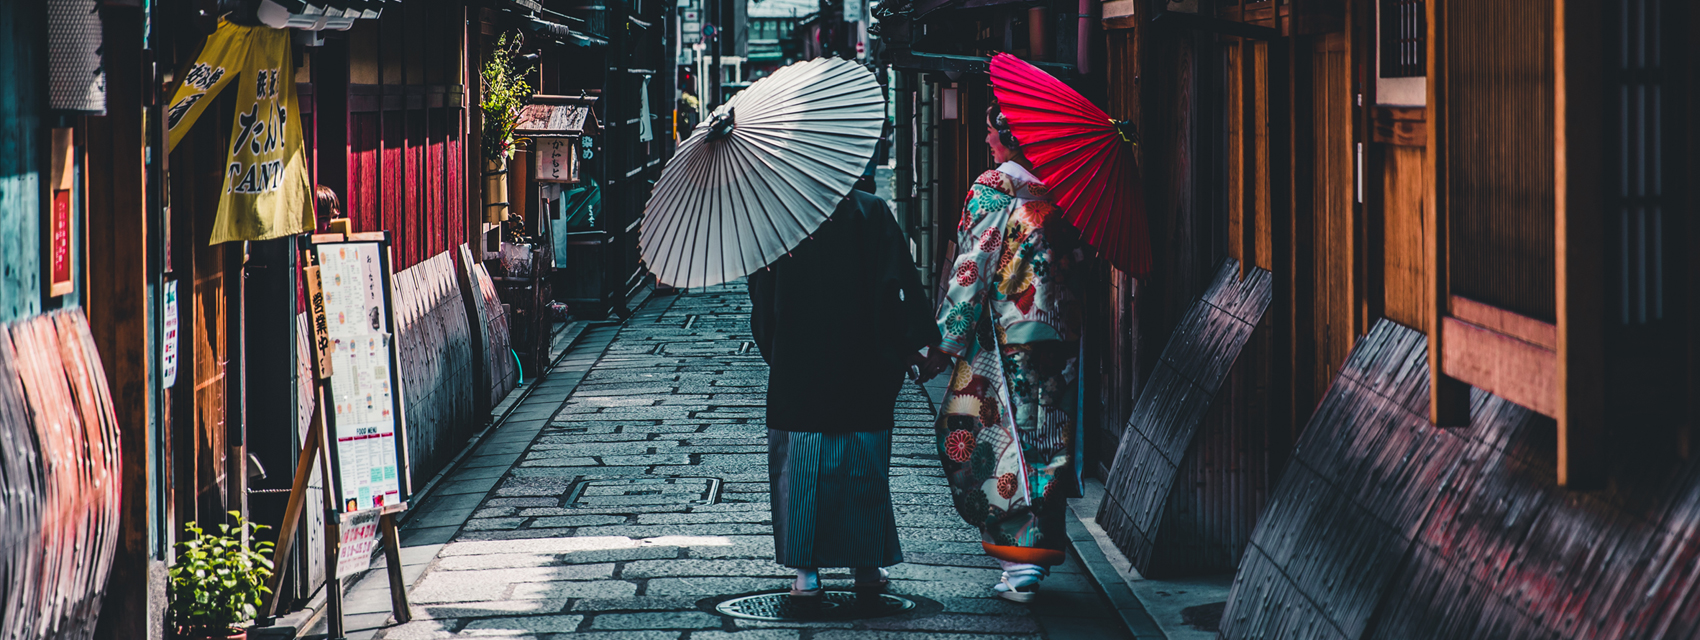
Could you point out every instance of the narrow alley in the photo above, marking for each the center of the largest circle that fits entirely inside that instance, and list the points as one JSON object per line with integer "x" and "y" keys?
{"x": 627, "y": 505}
{"x": 417, "y": 319}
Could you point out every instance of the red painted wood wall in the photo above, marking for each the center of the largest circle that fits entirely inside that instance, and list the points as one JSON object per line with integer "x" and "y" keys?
{"x": 405, "y": 131}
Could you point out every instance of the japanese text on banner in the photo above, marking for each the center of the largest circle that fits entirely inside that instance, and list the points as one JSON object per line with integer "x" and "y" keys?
{"x": 266, "y": 186}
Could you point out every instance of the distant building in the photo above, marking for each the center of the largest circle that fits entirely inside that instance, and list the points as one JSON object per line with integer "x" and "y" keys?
{"x": 772, "y": 30}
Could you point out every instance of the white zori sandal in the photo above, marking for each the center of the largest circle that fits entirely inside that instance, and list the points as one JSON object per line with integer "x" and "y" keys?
{"x": 807, "y": 584}
{"x": 1020, "y": 581}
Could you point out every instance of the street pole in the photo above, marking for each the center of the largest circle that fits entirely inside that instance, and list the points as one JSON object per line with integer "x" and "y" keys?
{"x": 714, "y": 43}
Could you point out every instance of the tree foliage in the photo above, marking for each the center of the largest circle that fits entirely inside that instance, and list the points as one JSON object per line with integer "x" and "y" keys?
{"x": 505, "y": 92}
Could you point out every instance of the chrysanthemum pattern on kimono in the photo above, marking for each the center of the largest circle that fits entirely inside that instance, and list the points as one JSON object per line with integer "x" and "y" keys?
{"x": 1012, "y": 324}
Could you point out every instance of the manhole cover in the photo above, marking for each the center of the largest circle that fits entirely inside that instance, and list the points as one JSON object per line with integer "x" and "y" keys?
{"x": 833, "y": 605}
{"x": 602, "y": 493}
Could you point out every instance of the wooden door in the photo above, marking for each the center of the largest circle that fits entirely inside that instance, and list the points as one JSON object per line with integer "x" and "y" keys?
{"x": 1399, "y": 162}
{"x": 1333, "y": 251}
{"x": 200, "y": 398}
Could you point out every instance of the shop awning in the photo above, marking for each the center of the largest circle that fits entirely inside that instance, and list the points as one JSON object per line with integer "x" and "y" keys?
{"x": 315, "y": 15}
{"x": 584, "y": 35}
{"x": 922, "y": 61}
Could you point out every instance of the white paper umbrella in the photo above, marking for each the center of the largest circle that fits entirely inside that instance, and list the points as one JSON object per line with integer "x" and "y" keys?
{"x": 755, "y": 180}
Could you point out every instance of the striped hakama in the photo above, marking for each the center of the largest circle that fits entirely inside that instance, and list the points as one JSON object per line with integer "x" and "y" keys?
{"x": 831, "y": 499}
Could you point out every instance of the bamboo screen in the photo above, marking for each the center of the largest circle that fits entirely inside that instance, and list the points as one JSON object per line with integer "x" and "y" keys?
{"x": 1499, "y": 148}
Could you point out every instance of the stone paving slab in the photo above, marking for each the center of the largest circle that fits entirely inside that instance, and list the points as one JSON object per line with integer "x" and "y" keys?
{"x": 601, "y": 527}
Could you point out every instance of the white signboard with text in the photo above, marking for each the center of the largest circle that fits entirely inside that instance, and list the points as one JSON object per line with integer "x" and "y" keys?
{"x": 366, "y": 430}
{"x": 359, "y": 537}
{"x": 557, "y": 159}
{"x": 168, "y": 346}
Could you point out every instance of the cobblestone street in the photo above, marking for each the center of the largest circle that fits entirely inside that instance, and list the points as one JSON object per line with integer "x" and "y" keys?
{"x": 627, "y": 495}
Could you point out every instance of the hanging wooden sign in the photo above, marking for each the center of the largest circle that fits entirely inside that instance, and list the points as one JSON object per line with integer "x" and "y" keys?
{"x": 557, "y": 159}
{"x": 316, "y": 315}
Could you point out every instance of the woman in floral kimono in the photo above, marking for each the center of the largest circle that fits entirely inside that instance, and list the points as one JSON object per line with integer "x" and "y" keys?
{"x": 1007, "y": 432}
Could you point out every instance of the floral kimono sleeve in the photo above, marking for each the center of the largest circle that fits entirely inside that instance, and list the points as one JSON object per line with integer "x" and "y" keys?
{"x": 980, "y": 236}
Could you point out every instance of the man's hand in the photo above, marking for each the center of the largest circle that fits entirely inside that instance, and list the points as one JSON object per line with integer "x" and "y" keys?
{"x": 936, "y": 362}
{"x": 916, "y": 359}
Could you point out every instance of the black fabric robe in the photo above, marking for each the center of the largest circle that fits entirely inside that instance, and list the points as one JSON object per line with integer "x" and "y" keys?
{"x": 836, "y": 320}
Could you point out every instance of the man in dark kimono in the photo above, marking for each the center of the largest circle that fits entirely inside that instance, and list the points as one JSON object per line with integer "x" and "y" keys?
{"x": 839, "y": 321}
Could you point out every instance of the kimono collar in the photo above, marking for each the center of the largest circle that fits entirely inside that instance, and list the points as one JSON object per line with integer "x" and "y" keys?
{"x": 1026, "y": 184}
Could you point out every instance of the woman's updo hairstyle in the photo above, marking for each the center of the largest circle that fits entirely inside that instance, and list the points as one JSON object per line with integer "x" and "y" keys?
{"x": 1006, "y": 135}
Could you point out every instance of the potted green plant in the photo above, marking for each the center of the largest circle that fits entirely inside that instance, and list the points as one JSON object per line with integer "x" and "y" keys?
{"x": 218, "y": 581}
{"x": 505, "y": 92}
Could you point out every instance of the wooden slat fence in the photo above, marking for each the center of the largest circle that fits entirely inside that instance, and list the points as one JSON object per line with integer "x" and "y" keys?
{"x": 1386, "y": 526}
{"x": 59, "y": 470}
{"x": 435, "y": 345}
{"x": 1157, "y": 447}
{"x": 497, "y": 373}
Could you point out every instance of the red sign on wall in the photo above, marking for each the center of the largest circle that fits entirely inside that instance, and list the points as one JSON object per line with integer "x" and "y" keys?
{"x": 61, "y": 247}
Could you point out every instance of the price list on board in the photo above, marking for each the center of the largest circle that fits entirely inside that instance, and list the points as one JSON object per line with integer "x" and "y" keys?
{"x": 362, "y": 393}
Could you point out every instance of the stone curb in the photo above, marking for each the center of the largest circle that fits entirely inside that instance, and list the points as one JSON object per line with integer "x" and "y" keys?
{"x": 1132, "y": 612}
{"x": 1103, "y": 575}
{"x": 564, "y": 340}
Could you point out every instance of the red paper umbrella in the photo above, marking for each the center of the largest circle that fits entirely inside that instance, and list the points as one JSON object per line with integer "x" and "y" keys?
{"x": 1083, "y": 157}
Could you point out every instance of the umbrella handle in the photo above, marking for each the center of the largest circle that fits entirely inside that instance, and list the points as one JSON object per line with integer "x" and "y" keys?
{"x": 1127, "y": 129}
{"x": 721, "y": 125}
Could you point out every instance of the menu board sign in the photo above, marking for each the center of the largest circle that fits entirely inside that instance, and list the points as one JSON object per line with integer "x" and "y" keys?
{"x": 366, "y": 429}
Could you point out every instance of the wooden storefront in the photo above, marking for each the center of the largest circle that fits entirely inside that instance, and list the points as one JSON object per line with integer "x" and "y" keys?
{"x": 1482, "y": 196}
{"x": 627, "y": 72}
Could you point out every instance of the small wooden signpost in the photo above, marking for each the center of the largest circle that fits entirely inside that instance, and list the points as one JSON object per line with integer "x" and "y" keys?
{"x": 360, "y": 441}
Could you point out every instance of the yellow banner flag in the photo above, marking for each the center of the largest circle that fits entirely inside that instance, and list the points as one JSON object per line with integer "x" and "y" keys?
{"x": 266, "y": 187}
{"x": 220, "y": 60}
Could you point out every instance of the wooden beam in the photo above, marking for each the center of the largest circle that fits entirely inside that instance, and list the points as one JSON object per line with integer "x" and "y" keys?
{"x": 1401, "y": 126}
{"x": 1521, "y": 327}
{"x": 392, "y": 557}
{"x": 1241, "y": 113}
{"x": 1261, "y": 175}
{"x": 1517, "y": 370}
{"x": 472, "y": 52}
{"x": 1246, "y": 109}
{"x": 1449, "y": 399}
{"x": 1369, "y": 207}
{"x": 1578, "y": 109}
{"x": 1279, "y": 146}
{"x": 1300, "y": 265}
{"x": 1120, "y": 22}
{"x": 330, "y": 120}
{"x": 118, "y": 309}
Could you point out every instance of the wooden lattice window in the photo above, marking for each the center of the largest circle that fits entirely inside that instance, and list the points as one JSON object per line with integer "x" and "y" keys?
{"x": 1403, "y": 38}
{"x": 1638, "y": 198}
